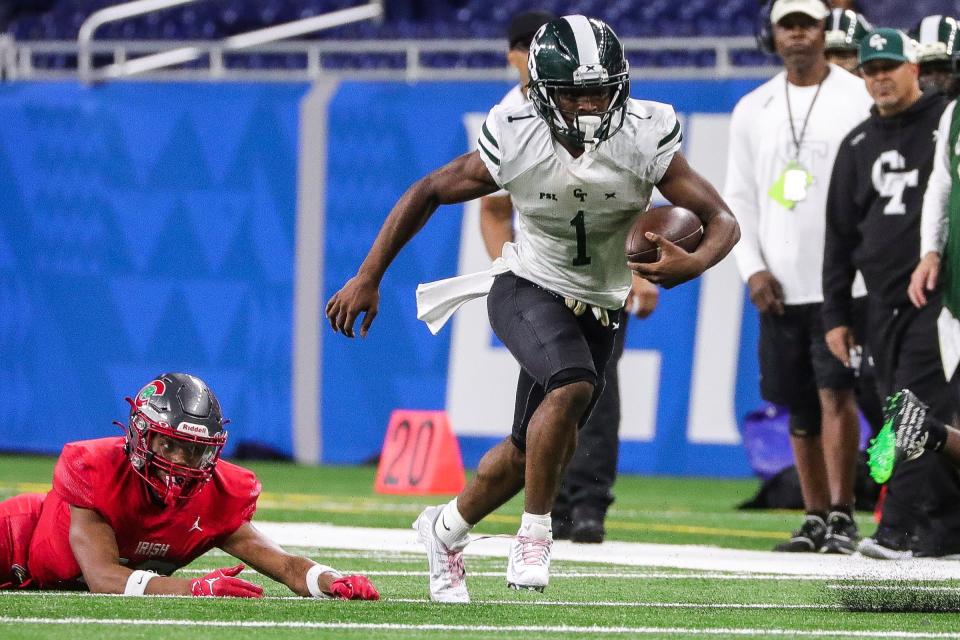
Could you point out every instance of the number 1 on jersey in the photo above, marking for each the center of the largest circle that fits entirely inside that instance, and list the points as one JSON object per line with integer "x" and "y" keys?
{"x": 582, "y": 258}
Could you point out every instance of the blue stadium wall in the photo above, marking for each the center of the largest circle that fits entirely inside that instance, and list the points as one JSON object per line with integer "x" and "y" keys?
{"x": 151, "y": 227}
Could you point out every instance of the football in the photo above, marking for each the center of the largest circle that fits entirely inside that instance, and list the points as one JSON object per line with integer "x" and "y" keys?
{"x": 676, "y": 224}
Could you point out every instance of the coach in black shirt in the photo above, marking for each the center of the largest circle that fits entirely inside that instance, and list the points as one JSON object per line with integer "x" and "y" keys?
{"x": 873, "y": 224}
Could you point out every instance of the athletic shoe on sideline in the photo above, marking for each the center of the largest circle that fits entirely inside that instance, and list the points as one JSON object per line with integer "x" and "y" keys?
{"x": 842, "y": 534}
{"x": 587, "y": 525}
{"x": 871, "y": 548}
{"x": 887, "y": 544}
{"x": 807, "y": 539}
{"x": 529, "y": 564}
{"x": 448, "y": 576}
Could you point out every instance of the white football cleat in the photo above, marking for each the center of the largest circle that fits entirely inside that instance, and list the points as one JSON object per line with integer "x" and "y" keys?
{"x": 448, "y": 576}
{"x": 529, "y": 564}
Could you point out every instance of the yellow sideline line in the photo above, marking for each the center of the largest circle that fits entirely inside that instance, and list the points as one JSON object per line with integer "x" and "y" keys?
{"x": 25, "y": 487}
{"x": 318, "y": 503}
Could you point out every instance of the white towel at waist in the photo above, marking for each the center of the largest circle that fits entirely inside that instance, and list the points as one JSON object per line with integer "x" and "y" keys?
{"x": 436, "y": 301}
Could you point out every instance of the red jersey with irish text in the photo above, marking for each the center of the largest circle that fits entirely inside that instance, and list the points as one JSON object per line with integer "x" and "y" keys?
{"x": 96, "y": 475}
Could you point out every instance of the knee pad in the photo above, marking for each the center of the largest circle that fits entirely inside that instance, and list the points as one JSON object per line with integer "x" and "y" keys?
{"x": 805, "y": 422}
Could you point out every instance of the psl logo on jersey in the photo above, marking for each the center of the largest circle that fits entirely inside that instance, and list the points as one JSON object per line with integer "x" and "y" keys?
{"x": 152, "y": 549}
{"x": 890, "y": 180}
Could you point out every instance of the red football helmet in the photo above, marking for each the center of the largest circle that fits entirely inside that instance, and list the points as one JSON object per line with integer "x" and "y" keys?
{"x": 175, "y": 435}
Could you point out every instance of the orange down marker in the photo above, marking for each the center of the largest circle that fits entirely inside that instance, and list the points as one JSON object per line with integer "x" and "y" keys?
{"x": 420, "y": 455}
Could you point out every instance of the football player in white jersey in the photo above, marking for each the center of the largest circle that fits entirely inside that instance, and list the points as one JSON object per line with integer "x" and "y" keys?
{"x": 585, "y": 495}
{"x": 580, "y": 162}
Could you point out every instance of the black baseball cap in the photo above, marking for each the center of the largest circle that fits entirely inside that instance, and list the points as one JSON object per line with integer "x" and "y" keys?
{"x": 524, "y": 25}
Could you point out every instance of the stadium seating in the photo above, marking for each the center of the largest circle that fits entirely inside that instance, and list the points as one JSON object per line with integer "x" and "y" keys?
{"x": 405, "y": 19}
{"x": 427, "y": 19}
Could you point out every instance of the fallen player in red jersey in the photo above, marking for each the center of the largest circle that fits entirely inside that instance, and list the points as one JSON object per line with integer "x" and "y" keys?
{"x": 126, "y": 512}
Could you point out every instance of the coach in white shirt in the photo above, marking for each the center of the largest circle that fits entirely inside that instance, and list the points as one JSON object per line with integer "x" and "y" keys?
{"x": 783, "y": 140}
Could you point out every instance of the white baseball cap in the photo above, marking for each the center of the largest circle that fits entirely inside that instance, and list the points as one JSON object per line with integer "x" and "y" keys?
{"x": 813, "y": 8}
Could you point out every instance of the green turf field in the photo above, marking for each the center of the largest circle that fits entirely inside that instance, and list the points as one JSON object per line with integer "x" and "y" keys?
{"x": 583, "y": 600}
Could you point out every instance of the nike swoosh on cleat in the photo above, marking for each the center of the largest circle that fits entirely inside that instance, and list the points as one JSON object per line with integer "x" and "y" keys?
{"x": 444, "y": 523}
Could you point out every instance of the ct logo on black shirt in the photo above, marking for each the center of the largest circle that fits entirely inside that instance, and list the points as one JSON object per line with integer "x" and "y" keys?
{"x": 891, "y": 181}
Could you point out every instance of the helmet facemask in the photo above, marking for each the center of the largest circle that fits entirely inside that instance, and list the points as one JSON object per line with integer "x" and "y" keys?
{"x": 584, "y": 129}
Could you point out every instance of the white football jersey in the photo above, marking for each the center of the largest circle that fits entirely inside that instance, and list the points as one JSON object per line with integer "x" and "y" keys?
{"x": 574, "y": 214}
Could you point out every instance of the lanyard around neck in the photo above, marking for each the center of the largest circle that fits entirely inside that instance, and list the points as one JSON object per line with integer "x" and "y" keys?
{"x": 798, "y": 141}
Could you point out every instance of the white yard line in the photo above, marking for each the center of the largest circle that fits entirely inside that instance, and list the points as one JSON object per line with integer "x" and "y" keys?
{"x": 622, "y": 575}
{"x": 511, "y": 629}
{"x": 640, "y": 605}
{"x": 693, "y": 557}
{"x": 520, "y": 603}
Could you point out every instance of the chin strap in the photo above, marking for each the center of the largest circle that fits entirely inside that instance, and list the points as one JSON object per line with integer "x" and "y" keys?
{"x": 173, "y": 492}
{"x": 588, "y": 126}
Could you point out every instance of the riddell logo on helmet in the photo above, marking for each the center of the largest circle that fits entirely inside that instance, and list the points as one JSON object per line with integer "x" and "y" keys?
{"x": 193, "y": 429}
{"x": 155, "y": 388}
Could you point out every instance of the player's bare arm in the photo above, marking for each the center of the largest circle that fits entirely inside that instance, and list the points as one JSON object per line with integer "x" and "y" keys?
{"x": 465, "y": 178}
{"x": 94, "y": 545}
{"x": 263, "y": 554}
{"x": 684, "y": 187}
{"x": 496, "y": 223}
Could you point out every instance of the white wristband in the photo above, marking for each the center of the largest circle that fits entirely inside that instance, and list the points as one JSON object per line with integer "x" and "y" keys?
{"x": 313, "y": 579}
{"x": 137, "y": 582}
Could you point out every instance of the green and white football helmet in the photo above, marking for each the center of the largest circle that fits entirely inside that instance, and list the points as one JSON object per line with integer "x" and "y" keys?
{"x": 576, "y": 52}
{"x": 845, "y": 29}
{"x": 938, "y": 49}
{"x": 937, "y": 37}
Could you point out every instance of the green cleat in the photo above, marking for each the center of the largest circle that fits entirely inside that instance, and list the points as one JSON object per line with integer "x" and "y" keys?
{"x": 880, "y": 454}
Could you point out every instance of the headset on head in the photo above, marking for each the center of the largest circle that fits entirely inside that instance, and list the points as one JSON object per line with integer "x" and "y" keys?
{"x": 764, "y": 30}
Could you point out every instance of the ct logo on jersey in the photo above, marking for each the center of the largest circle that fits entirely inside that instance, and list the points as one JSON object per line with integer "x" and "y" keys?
{"x": 891, "y": 181}
{"x": 877, "y": 41}
{"x": 154, "y": 388}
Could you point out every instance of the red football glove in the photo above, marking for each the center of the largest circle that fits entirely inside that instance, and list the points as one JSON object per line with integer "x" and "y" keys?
{"x": 223, "y": 582}
{"x": 354, "y": 588}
